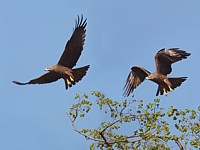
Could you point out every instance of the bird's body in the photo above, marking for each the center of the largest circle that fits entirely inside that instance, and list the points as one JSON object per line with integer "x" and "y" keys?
{"x": 164, "y": 82}
{"x": 163, "y": 59}
{"x": 157, "y": 78}
{"x": 62, "y": 71}
{"x": 64, "y": 68}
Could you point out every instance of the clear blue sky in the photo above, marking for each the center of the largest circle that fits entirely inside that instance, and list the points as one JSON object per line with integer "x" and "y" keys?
{"x": 119, "y": 35}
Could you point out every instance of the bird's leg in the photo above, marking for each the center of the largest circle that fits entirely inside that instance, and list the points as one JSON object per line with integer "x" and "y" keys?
{"x": 68, "y": 82}
{"x": 165, "y": 92}
{"x": 69, "y": 73}
{"x": 170, "y": 88}
{"x": 168, "y": 84}
{"x": 71, "y": 78}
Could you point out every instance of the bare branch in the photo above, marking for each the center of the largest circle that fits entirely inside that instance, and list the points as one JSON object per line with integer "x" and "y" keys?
{"x": 85, "y": 135}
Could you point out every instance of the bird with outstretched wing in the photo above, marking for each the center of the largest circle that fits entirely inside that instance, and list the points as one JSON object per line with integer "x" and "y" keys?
{"x": 64, "y": 68}
{"x": 164, "y": 59}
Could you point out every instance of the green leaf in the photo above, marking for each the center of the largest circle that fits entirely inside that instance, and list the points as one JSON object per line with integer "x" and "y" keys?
{"x": 82, "y": 115}
{"x": 85, "y": 95}
{"x": 174, "y": 118}
{"x": 92, "y": 146}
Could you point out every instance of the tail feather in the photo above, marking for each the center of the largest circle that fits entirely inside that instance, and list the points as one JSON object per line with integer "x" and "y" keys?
{"x": 79, "y": 73}
{"x": 176, "y": 82}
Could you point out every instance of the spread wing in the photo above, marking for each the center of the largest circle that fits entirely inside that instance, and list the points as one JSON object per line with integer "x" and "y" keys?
{"x": 74, "y": 46}
{"x": 135, "y": 78}
{"x": 165, "y": 57}
{"x": 46, "y": 78}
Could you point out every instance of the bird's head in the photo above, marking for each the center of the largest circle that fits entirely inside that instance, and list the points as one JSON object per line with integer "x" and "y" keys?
{"x": 147, "y": 78}
{"x": 150, "y": 77}
{"x": 49, "y": 69}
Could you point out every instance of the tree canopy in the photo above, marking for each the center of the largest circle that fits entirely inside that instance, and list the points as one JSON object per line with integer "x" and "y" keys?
{"x": 152, "y": 126}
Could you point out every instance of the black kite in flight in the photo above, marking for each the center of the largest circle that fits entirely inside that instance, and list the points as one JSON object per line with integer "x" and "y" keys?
{"x": 163, "y": 59}
{"x": 63, "y": 69}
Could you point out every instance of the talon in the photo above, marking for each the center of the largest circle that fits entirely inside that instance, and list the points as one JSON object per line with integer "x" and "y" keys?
{"x": 170, "y": 89}
{"x": 68, "y": 82}
{"x": 165, "y": 93}
{"x": 71, "y": 78}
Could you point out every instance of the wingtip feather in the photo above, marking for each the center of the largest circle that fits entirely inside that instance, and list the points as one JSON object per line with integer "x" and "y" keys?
{"x": 80, "y": 22}
{"x": 19, "y": 83}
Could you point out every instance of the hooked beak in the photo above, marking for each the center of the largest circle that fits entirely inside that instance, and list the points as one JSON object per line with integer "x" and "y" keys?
{"x": 147, "y": 78}
{"x": 46, "y": 69}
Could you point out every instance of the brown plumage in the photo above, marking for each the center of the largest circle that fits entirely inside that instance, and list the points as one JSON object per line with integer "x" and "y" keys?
{"x": 63, "y": 69}
{"x": 163, "y": 59}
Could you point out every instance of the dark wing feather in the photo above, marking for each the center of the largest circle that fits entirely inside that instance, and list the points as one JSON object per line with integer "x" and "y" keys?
{"x": 46, "y": 78}
{"x": 135, "y": 78}
{"x": 74, "y": 46}
{"x": 165, "y": 57}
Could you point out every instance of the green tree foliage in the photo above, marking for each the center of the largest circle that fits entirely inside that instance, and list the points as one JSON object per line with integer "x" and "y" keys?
{"x": 149, "y": 124}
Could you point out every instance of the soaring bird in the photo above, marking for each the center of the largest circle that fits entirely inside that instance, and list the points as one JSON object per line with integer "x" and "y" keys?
{"x": 64, "y": 68}
{"x": 163, "y": 59}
